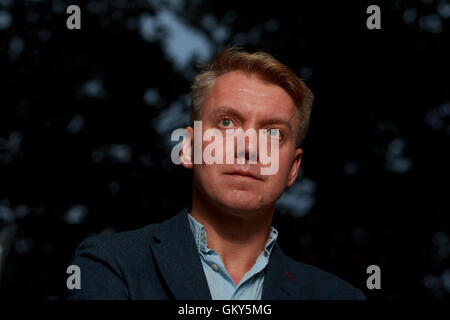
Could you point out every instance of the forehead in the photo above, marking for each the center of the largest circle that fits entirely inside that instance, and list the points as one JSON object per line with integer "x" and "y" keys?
{"x": 250, "y": 95}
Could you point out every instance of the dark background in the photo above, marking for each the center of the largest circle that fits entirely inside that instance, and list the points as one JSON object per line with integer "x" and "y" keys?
{"x": 86, "y": 117}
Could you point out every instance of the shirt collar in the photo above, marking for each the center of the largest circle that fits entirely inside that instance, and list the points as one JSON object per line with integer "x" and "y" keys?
{"x": 202, "y": 243}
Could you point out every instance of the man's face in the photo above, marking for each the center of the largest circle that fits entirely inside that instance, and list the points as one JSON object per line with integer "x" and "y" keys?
{"x": 240, "y": 100}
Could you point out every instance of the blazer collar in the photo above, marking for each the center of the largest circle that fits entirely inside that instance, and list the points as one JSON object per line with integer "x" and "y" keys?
{"x": 279, "y": 279}
{"x": 179, "y": 263}
{"x": 178, "y": 260}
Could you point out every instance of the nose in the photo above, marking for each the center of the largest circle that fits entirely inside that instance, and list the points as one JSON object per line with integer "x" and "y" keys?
{"x": 246, "y": 146}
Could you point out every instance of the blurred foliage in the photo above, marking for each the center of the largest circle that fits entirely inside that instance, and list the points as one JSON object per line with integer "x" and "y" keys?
{"x": 86, "y": 116}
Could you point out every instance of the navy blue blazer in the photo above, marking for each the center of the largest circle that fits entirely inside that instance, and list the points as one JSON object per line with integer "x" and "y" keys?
{"x": 160, "y": 261}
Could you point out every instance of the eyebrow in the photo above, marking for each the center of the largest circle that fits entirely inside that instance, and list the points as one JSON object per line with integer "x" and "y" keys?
{"x": 227, "y": 109}
{"x": 278, "y": 121}
{"x": 233, "y": 112}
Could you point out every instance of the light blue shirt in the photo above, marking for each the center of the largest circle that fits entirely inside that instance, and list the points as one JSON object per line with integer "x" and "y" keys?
{"x": 220, "y": 283}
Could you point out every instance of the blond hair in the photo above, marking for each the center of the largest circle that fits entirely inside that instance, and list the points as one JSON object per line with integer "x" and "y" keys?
{"x": 263, "y": 65}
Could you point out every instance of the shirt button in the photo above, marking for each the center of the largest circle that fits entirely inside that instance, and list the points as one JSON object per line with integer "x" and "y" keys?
{"x": 266, "y": 253}
{"x": 202, "y": 237}
{"x": 215, "y": 267}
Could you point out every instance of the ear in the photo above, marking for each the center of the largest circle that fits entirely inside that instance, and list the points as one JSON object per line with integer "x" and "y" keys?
{"x": 293, "y": 171}
{"x": 188, "y": 146}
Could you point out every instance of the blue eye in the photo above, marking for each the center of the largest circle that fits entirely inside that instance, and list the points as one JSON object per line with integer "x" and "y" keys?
{"x": 274, "y": 133}
{"x": 227, "y": 123}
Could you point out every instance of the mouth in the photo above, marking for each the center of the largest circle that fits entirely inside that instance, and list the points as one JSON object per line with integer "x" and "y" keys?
{"x": 244, "y": 174}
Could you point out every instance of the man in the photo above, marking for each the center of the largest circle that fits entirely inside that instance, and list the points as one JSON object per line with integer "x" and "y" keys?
{"x": 223, "y": 246}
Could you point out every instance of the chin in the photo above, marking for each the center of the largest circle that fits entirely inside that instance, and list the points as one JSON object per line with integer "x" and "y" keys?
{"x": 242, "y": 201}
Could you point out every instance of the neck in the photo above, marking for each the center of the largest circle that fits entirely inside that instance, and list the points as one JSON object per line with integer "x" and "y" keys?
{"x": 238, "y": 238}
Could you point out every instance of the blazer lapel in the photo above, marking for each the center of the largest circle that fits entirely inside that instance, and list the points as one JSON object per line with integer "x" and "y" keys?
{"x": 279, "y": 281}
{"x": 178, "y": 260}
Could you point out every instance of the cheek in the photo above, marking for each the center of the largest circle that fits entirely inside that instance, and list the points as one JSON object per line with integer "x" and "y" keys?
{"x": 285, "y": 161}
{"x": 207, "y": 176}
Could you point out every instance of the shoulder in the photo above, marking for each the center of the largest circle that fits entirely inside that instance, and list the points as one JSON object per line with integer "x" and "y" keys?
{"x": 320, "y": 284}
{"x": 127, "y": 242}
{"x": 111, "y": 264}
{"x": 127, "y": 250}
